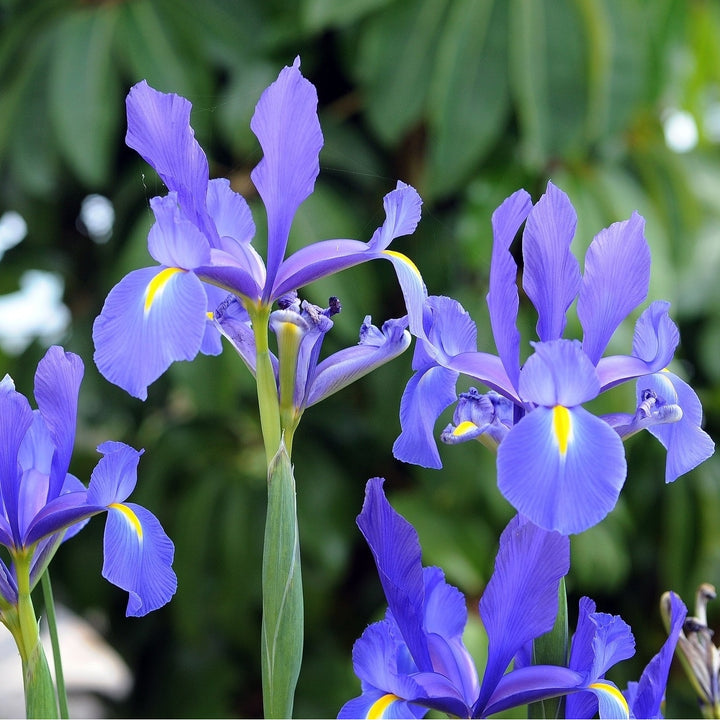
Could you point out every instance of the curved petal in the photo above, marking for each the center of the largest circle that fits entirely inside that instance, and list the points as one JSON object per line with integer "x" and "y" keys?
{"x": 57, "y": 384}
{"x": 115, "y": 475}
{"x": 396, "y": 549}
{"x": 159, "y": 130}
{"x": 551, "y": 275}
{"x": 558, "y": 373}
{"x": 502, "y": 297}
{"x": 138, "y": 557}
{"x": 488, "y": 369}
{"x": 286, "y": 124}
{"x": 475, "y": 415}
{"x": 61, "y": 513}
{"x": 173, "y": 240}
{"x": 563, "y": 468}
{"x": 8, "y": 586}
{"x": 687, "y": 444}
{"x": 150, "y": 319}
{"x": 230, "y": 213}
{"x": 615, "y": 282}
{"x": 345, "y": 366}
{"x": 520, "y": 601}
{"x": 402, "y": 214}
{"x": 426, "y": 395}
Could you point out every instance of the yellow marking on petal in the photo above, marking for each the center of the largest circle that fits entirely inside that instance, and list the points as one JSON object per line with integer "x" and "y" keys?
{"x": 464, "y": 427}
{"x": 156, "y": 285}
{"x": 380, "y": 706}
{"x": 210, "y": 315}
{"x": 130, "y": 516}
{"x": 405, "y": 259}
{"x": 562, "y": 425}
{"x": 613, "y": 692}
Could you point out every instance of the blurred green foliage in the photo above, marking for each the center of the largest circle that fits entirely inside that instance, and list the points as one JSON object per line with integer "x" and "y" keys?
{"x": 467, "y": 100}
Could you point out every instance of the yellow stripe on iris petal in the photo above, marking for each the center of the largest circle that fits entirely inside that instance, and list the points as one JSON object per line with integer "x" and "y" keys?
{"x": 156, "y": 285}
{"x": 405, "y": 259}
{"x": 562, "y": 425}
{"x": 380, "y": 706}
{"x": 615, "y": 694}
{"x": 130, "y": 516}
{"x": 463, "y": 428}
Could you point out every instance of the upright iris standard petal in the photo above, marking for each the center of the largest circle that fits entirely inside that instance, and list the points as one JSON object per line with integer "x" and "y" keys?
{"x": 551, "y": 275}
{"x": 150, "y": 319}
{"x": 502, "y": 297}
{"x": 615, "y": 281}
{"x": 286, "y": 124}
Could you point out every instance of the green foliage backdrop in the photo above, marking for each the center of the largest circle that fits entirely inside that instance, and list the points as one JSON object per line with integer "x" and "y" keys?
{"x": 467, "y": 100}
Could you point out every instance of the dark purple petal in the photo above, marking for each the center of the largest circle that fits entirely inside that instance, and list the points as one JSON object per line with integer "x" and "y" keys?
{"x": 558, "y": 373}
{"x": 138, "y": 558}
{"x": 562, "y": 468}
{"x": 551, "y": 275}
{"x": 396, "y": 549}
{"x": 151, "y": 318}
{"x": 174, "y": 240}
{"x": 159, "y": 130}
{"x": 8, "y": 586}
{"x": 615, "y": 282}
{"x": 502, "y": 298}
{"x": 646, "y": 696}
{"x": 426, "y": 395}
{"x": 345, "y": 366}
{"x": 520, "y": 601}
{"x": 57, "y": 384}
{"x": 687, "y": 444}
{"x": 286, "y": 124}
{"x": 60, "y": 513}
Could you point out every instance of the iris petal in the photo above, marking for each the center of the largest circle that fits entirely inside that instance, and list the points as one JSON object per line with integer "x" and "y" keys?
{"x": 567, "y": 492}
{"x": 134, "y": 346}
{"x": 286, "y": 124}
{"x": 173, "y": 240}
{"x": 615, "y": 282}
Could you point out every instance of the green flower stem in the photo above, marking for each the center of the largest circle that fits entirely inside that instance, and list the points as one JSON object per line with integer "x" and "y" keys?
{"x": 552, "y": 649}
{"x": 57, "y": 659}
{"x": 282, "y": 622}
{"x": 40, "y": 701}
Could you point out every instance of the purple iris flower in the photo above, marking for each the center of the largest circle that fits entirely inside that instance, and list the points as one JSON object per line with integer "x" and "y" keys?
{"x": 203, "y": 232}
{"x": 414, "y": 659}
{"x": 43, "y": 505}
{"x": 307, "y": 325}
{"x": 558, "y": 464}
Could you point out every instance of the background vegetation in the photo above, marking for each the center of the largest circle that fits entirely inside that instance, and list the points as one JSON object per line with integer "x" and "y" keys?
{"x": 467, "y": 100}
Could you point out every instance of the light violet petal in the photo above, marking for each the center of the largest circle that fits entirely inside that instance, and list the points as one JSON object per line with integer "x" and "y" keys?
{"x": 615, "y": 282}
{"x": 562, "y": 468}
{"x": 151, "y": 318}
{"x": 286, "y": 124}
{"x": 502, "y": 298}
{"x": 115, "y": 475}
{"x": 551, "y": 275}
{"x": 230, "y": 212}
{"x": 402, "y": 214}
{"x": 173, "y": 240}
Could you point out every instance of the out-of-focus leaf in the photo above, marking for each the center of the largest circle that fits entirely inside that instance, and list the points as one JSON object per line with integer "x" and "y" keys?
{"x": 319, "y": 15}
{"x": 469, "y": 98}
{"x": 84, "y": 98}
{"x": 396, "y": 56}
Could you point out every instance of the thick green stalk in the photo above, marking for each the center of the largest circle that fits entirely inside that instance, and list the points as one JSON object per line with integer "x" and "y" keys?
{"x": 552, "y": 649}
{"x": 282, "y": 623}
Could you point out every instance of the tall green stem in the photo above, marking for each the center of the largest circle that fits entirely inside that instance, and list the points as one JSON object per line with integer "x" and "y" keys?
{"x": 55, "y": 642}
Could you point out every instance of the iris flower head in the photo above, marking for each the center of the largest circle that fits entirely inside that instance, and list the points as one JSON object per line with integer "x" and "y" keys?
{"x": 44, "y": 505}
{"x": 557, "y": 463}
{"x": 415, "y": 659}
{"x": 202, "y": 237}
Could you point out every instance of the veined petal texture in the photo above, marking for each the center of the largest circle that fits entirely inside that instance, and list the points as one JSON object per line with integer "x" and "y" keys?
{"x": 551, "y": 275}
{"x": 286, "y": 124}
{"x": 150, "y": 319}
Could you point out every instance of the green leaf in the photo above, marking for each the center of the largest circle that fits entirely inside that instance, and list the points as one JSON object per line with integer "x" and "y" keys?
{"x": 396, "y": 56}
{"x": 318, "y": 15}
{"x": 39, "y": 689}
{"x": 469, "y": 99}
{"x": 84, "y": 98}
{"x": 282, "y": 623}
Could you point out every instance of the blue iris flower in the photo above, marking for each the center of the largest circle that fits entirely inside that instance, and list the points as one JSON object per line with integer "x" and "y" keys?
{"x": 414, "y": 659}
{"x": 557, "y": 463}
{"x": 203, "y": 232}
{"x": 43, "y": 505}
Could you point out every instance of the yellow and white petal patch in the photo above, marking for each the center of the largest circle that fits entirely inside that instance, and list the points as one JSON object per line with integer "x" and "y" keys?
{"x": 404, "y": 259}
{"x": 562, "y": 427}
{"x": 464, "y": 428}
{"x": 157, "y": 285}
{"x": 130, "y": 516}
{"x": 615, "y": 704}
{"x": 378, "y": 708}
